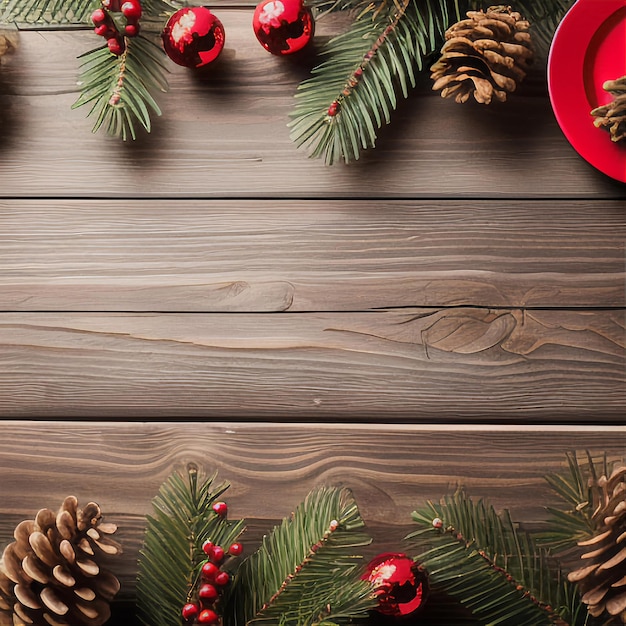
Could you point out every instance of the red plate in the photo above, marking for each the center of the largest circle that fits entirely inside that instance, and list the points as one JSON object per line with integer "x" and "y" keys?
{"x": 589, "y": 48}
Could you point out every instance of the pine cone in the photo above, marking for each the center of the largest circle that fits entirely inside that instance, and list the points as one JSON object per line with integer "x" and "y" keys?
{"x": 612, "y": 116}
{"x": 486, "y": 55}
{"x": 603, "y": 581}
{"x": 8, "y": 41}
{"x": 50, "y": 576}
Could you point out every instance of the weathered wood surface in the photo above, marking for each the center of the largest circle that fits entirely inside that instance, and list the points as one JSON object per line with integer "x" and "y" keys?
{"x": 524, "y": 317}
{"x": 470, "y": 269}
{"x": 226, "y": 136}
{"x": 417, "y": 365}
{"x": 288, "y": 255}
{"x": 271, "y": 467}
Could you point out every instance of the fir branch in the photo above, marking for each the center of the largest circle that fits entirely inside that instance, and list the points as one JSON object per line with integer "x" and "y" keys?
{"x": 48, "y": 12}
{"x": 575, "y": 488}
{"x": 119, "y": 87}
{"x": 37, "y": 13}
{"x": 305, "y": 572}
{"x": 352, "y": 93}
{"x": 172, "y": 553}
{"x": 491, "y": 567}
{"x": 544, "y": 17}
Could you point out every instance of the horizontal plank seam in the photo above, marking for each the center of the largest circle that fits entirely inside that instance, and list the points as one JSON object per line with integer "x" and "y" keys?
{"x": 593, "y": 422}
{"x": 312, "y": 311}
{"x": 340, "y": 425}
{"x": 317, "y": 198}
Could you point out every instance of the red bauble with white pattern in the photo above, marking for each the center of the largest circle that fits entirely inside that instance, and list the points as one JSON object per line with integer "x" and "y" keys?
{"x": 399, "y": 583}
{"x": 193, "y": 37}
{"x": 283, "y": 26}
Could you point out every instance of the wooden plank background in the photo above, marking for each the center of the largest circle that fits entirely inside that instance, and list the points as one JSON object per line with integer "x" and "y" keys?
{"x": 271, "y": 467}
{"x": 451, "y": 309}
{"x": 226, "y": 136}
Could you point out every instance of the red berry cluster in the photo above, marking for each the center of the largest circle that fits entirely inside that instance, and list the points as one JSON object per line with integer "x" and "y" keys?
{"x": 213, "y": 579}
{"x": 106, "y": 26}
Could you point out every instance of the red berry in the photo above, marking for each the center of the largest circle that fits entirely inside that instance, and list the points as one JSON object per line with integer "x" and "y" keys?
{"x": 235, "y": 549}
{"x": 222, "y": 579}
{"x": 131, "y": 30}
{"x": 98, "y": 16}
{"x": 111, "y": 5}
{"x": 131, "y": 9}
{"x": 220, "y": 508}
{"x": 207, "y": 547}
{"x": 217, "y": 554}
{"x": 115, "y": 46}
{"x": 190, "y": 611}
{"x": 103, "y": 31}
{"x": 209, "y": 570}
{"x": 207, "y": 592}
{"x": 208, "y": 616}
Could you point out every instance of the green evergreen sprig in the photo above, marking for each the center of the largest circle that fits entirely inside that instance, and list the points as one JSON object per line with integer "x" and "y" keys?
{"x": 38, "y": 13}
{"x": 172, "y": 554}
{"x": 120, "y": 88}
{"x": 352, "y": 93}
{"x": 544, "y": 17}
{"x": 482, "y": 560}
{"x": 575, "y": 488}
{"x": 339, "y": 110}
{"x": 305, "y": 573}
{"x": 44, "y": 13}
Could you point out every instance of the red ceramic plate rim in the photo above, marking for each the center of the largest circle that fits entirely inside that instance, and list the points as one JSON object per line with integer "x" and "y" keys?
{"x": 569, "y": 60}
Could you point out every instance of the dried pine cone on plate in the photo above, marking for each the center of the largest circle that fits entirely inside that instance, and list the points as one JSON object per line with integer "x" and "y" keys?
{"x": 485, "y": 56}
{"x": 51, "y": 575}
{"x": 612, "y": 116}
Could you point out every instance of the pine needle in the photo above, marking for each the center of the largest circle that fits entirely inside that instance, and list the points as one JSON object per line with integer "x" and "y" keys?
{"x": 172, "y": 554}
{"x": 482, "y": 560}
{"x": 574, "y": 487}
{"x": 120, "y": 88}
{"x": 305, "y": 572}
{"x": 353, "y": 91}
{"x": 38, "y": 13}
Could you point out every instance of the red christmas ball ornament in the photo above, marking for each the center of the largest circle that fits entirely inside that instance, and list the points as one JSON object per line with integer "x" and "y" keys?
{"x": 283, "y": 26}
{"x": 400, "y": 584}
{"x": 193, "y": 37}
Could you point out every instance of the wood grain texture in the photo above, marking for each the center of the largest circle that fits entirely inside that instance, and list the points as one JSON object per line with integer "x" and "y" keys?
{"x": 416, "y": 365}
{"x": 470, "y": 269}
{"x": 264, "y": 256}
{"x": 271, "y": 467}
{"x": 226, "y": 136}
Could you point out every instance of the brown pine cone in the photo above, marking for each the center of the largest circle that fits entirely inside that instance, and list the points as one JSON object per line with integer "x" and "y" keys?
{"x": 50, "y": 575}
{"x": 8, "y": 41}
{"x": 485, "y": 56}
{"x": 612, "y": 116}
{"x": 603, "y": 580}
